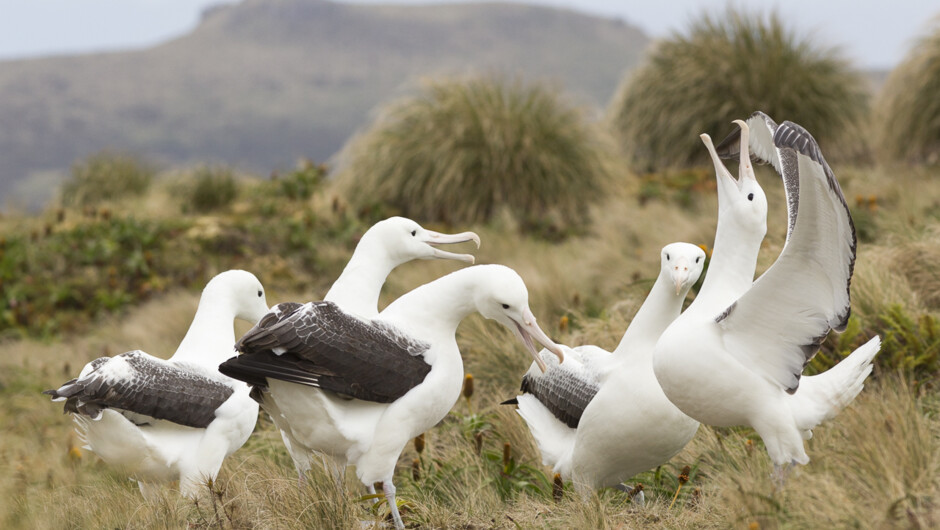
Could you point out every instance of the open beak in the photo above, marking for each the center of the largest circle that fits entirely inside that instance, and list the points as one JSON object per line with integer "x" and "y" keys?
{"x": 745, "y": 169}
{"x": 680, "y": 274}
{"x": 437, "y": 238}
{"x": 529, "y": 333}
{"x": 727, "y": 184}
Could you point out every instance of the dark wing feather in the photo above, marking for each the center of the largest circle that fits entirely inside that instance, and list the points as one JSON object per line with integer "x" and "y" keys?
{"x": 317, "y": 344}
{"x": 563, "y": 392}
{"x": 140, "y": 383}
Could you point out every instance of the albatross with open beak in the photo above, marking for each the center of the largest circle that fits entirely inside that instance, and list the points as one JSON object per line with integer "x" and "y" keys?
{"x": 358, "y": 390}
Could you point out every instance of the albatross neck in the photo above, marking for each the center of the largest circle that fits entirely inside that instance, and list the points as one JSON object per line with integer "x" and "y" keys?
{"x": 211, "y": 337}
{"x": 357, "y": 289}
{"x": 731, "y": 271}
{"x": 660, "y": 308}
{"x": 440, "y": 305}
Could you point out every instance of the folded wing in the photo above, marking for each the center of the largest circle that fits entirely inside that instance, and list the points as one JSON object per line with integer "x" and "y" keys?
{"x": 318, "y": 345}
{"x": 145, "y": 385}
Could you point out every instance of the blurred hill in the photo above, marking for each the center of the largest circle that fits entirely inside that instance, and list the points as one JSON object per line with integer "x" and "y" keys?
{"x": 263, "y": 82}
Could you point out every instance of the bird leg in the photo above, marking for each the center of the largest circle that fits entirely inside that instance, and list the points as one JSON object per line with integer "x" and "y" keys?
{"x": 389, "y": 490}
{"x": 371, "y": 488}
{"x": 779, "y": 476}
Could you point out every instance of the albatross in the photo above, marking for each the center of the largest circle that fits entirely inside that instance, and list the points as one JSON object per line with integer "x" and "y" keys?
{"x": 382, "y": 248}
{"x": 358, "y": 390}
{"x": 600, "y": 417}
{"x": 740, "y": 361}
{"x": 164, "y": 420}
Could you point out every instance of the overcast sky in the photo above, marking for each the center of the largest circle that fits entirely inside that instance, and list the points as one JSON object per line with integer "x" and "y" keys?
{"x": 874, "y": 34}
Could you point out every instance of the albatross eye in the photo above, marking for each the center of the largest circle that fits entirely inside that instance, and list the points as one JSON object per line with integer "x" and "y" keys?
{"x": 414, "y": 232}
{"x": 505, "y": 306}
{"x": 697, "y": 259}
{"x": 750, "y": 196}
{"x": 667, "y": 256}
{"x": 260, "y": 293}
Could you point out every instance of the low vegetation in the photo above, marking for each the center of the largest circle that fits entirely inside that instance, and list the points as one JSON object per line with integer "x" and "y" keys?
{"x": 106, "y": 176}
{"x": 107, "y": 279}
{"x": 722, "y": 68}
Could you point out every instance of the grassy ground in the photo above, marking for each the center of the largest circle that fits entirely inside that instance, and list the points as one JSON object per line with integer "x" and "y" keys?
{"x": 875, "y": 465}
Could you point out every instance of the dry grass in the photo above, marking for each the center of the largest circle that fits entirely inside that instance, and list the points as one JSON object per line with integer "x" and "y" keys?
{"x": 875, "y": 465}
{"x": 908, "y": 108}
{"x": 726, "y": 66}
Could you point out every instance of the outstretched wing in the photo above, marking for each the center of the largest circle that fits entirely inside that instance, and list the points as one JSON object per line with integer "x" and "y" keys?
{"x": 143, "y": 384}
{"x": 779, "y": 324}
{"x": 764, "y": 151}
{"x": 317, "y": 344}
{"x": 564, "y": 389}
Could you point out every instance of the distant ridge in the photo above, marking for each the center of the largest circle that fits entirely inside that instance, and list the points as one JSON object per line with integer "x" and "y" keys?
{"x": 260, "y": 83}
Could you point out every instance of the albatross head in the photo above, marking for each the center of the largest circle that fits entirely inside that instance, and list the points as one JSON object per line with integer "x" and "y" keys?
{"x": 741, "y": 200}
{"x": 682, "y": 263}
{"x": 241, "y": 291}
{"x": 505, "y": 299}
{"x": 404, "y": 240}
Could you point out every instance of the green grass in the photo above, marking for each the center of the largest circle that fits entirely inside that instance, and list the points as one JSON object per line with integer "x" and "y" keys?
{"x": 724, "y": 67}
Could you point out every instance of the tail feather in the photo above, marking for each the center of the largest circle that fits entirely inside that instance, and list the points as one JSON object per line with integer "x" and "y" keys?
{"x": 554, "y": 438}
{"x": 820, "y": 397}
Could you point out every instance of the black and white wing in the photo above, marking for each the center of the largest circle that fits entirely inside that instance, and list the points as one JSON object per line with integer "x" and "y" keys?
{"x": 564, "y": 389}
{"x": 145, "y": 385}
{"x": 317, "y": 344}
{"x": 778, "y": 325}
{"x": 764, "y": 151}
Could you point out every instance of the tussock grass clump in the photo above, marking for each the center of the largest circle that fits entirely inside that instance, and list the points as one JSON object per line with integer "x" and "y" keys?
{"x": 726, "y": 67}
{"x": 212, "y": 189}
{"x": 908, "y": 106}
{"x": 463, "y": 150}
{"x": 106, "y": 176}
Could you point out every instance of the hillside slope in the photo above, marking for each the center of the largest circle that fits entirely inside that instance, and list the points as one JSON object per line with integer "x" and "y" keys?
{"x": 262, "y": 82}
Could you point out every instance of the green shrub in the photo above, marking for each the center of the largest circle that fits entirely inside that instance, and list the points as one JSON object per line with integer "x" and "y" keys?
{"x": 212, "y": 189}
{"x": 300, "y": 183}
{"x": 909, "y": 107}
{"x": 910, "y": 344}
{"x": 463, "y": 151}
{"x": 106, "y": 176}
{"x": 724, "y": 68}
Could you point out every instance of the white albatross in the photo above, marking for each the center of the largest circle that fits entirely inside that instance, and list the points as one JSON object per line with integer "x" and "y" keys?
{"x": 359, "y": 390}
{"x": 600, "y": 417}
{"x": 164, "y": 420}
{"x": 740, "y": 362}
{"x": 383, "y": 247}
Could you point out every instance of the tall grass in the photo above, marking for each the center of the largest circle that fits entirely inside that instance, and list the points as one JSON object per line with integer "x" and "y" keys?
{"x": 466, "y": 150}
{"x": 725, "y": 67}
{"x": 908, "y": 106}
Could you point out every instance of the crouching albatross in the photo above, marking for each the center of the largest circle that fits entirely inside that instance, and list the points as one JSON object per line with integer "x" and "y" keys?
{"x": 740, "y": 362}
{"x": 600, "y": 417}
{"x": 164, "y": 420}
{"x": 358, "y": 390}
{"x": 382, "y": 248}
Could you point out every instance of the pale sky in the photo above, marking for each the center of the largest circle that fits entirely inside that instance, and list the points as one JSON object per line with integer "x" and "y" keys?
{"x": 874, "y": 34}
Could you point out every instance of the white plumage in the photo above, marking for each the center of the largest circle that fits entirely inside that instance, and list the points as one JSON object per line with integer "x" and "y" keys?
{"x": 365, "y": 433}
{"x": 628, "y": 425}
{"x": 739, "y": 362}
{"x": 177, "y": 419}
